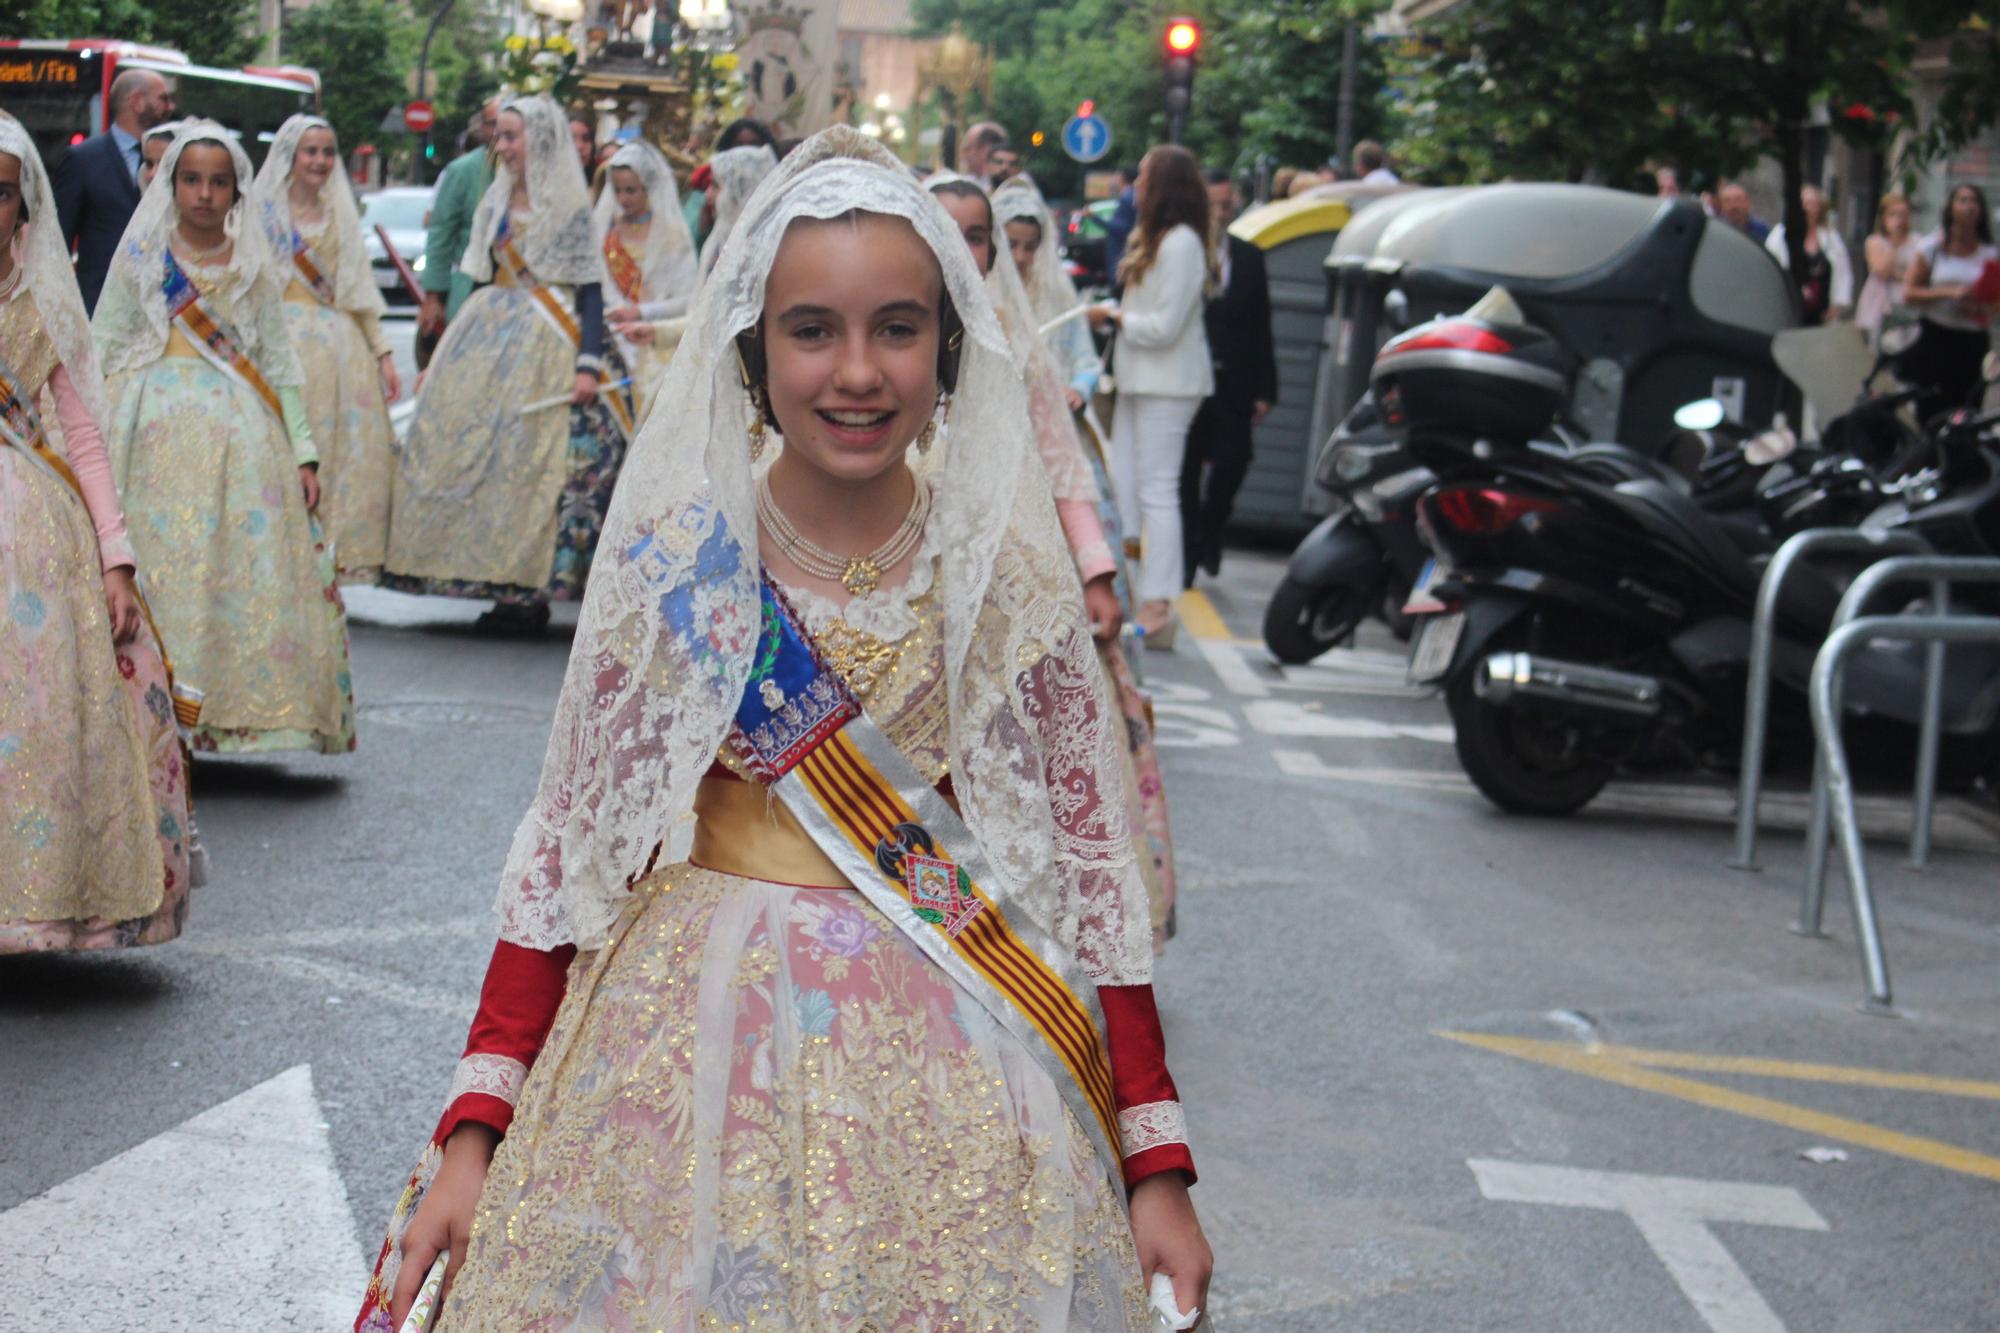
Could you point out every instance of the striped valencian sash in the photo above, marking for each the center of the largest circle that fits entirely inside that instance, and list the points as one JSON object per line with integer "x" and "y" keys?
{"x": 212, "y": 337}
{"x": 306, "y": 261}
{"x": 509, "y": 257}
{"x": 624, "y": 269}
{"x": 901, "y": 844}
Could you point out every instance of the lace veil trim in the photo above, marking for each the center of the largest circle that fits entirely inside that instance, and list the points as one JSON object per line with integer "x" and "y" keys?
{"x": 670, "y": 619}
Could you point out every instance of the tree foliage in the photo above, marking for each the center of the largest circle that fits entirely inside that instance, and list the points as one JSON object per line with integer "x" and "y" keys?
{"x": 1567, "y": 90}
{"x": 1267, "y": 82}
{"x": 357, "y": 47}
{"x": 211, "y": 32}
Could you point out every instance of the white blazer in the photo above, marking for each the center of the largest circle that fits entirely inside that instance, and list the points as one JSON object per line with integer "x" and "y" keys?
{"x": 1162, "y": 345}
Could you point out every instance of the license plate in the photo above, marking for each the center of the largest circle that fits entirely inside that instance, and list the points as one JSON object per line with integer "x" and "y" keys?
{"x": 1437, "y": 642}
{"x": 1421, "y": 603}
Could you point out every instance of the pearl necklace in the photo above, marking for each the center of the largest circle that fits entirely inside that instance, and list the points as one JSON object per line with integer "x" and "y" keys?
{"x": 859, "y": 574}
{"x": 194, "y": 256}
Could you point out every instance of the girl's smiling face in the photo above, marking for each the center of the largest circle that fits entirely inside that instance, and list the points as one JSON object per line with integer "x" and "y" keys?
{"x": 510, "y": 142}
{"x": 850, "y": 330}
{"x": 313, "y": 163}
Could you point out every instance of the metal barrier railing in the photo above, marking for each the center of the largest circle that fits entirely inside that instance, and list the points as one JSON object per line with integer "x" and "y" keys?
{"x": 1939, "y": 572}
{"x": 1824, "y": 692}
{"x": 1763, "y": 635}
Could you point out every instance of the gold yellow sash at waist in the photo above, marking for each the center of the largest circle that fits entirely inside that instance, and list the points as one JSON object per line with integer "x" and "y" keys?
{"x": 178, "y": 343}
{"x": 740, "y": 830}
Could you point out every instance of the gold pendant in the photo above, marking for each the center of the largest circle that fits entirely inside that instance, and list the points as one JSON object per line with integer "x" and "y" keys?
{"x": 861, "y": 576}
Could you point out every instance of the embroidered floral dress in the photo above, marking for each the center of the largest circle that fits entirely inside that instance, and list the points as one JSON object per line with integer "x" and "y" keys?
{"x": 500, "y": 494}
{"x": 339, "y": 351}
{"x": 93, "y": 784}
{"x": 241, "y": 582}
{"x": 760, "y": 1106}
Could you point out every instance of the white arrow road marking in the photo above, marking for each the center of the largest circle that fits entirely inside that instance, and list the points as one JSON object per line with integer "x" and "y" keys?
{"x": 236, "y": 1219}
{"x": 1672, "y": 1214}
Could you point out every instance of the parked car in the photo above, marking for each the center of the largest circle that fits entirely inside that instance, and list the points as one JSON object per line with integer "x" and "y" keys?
{"x": 404, "y": 211}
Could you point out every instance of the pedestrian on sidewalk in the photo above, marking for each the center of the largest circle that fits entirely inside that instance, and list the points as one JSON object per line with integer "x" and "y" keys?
{"x": 1889, "y": 251}
{"x": 1954, "y": 331}
{"x": 95, "y": 849}
{"x": 1164, "y": 371}
{"x": 1826, "y": 293}
{"x": 785, "y": 1080}
{"x": 1732, "y": 205}
{"x": 1237, "y": 320}
{"x": 211, "y": 446}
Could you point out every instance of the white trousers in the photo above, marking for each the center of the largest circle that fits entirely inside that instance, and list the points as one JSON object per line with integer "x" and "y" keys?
{"x": 1148, "y": 439}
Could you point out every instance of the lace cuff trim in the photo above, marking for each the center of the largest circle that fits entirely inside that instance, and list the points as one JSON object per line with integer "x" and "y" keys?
{"x": 493, "y": 1075}
{"x": 1152, "y": 1125}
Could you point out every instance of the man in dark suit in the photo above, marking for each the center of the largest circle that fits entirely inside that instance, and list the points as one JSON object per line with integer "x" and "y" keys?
{"x": 97, "y": 182}
{"x": 1238, "y": 320}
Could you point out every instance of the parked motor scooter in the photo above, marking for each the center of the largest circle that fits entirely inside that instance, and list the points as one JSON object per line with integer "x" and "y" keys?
{"x": 1591, "y": 626}
{"x": 1361, "y": 559}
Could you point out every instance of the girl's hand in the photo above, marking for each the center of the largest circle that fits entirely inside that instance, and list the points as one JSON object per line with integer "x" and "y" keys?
{"x": 1074, "y": 399}
{"x": 121, "y": 600}
{"x": 443, "y": 1221}
{"x": 640, "y": 334}
{"x": 1102, "y": 316}
{"x": 309, "y": 479}
{"x": 392, "y": 384}
{"x": 585, "y": 390}
{"x": 624, "y": 314}
{"x": 1100, "y": 607}
{"x": 1169, "y": 1238}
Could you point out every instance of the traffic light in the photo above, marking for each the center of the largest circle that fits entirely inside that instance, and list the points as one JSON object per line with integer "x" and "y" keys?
{"x": 1183, "y": 46}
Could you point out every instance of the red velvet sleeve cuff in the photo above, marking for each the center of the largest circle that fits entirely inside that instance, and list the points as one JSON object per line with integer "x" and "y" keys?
{"x": 1151, "y": 1125}
{"x": 517, "y": 1006}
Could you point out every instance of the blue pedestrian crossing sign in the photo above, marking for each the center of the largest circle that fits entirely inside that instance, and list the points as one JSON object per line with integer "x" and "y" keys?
{"x": 1086, "y": 138}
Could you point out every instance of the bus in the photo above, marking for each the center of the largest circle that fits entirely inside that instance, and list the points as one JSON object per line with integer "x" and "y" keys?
{"x": 60, "y": 91}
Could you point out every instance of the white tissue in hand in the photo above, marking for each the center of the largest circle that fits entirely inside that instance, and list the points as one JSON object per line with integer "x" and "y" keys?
{"x": 1166, "y": 1312}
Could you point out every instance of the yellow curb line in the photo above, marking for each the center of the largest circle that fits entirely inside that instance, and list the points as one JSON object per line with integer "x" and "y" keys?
{"x": 1807, "y": 1073}
{"x": 1592, "y": 1063}
{"x": 1201, "y": 618}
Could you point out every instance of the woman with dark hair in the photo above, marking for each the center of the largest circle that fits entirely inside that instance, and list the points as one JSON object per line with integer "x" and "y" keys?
{"x": 1952, "y": 334}
{"x": 1163, "y": 371}
{"x": 745, "y": 133}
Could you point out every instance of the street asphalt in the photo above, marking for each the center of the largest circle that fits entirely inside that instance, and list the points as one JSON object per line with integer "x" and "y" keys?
{"x": 1444, "y": 1068}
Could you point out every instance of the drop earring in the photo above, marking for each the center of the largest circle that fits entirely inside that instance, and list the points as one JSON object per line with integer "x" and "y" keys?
{"x": 759, "y": 433}
{"x": 929, "y": 434}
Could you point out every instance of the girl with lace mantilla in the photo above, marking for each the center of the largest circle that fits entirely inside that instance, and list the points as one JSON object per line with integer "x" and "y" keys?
{"x": 1089, "y": 520}
{"x": 649, "y": 260}
{"x": 869, "y": 1040}
{"x": 523, "y": 417}
{"x": 334, "y": 312}
{"x": 213, "y": 451}
{"x": 94, "y": 850}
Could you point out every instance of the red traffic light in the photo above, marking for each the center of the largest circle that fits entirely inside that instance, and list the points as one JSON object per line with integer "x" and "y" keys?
{"x": 1183, "y": 36}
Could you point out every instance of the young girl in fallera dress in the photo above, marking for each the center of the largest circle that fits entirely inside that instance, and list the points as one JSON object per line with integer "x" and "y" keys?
{"x": 649, "y": 261}
{"x": 823, "y": 994}
{"x": 94, "y": 851}
{"x": 213, "y": 452}
{"x": 1089, "y": 520}
{"x": 508, "y": 464}
{"x": 334, "y": 312}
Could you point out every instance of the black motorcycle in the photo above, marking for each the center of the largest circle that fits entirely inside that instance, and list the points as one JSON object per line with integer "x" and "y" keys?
{"x": 1592, "y": 625}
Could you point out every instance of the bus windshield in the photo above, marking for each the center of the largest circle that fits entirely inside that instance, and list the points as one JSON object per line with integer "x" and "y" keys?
{"x": 57, "y": 94}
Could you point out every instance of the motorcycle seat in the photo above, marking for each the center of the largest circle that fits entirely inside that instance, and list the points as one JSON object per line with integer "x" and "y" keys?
{"x": 1670, "y": 516}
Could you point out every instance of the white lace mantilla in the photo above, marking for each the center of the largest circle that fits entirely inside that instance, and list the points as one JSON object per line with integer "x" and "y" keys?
{"x": 493, "y": 1075}
{"x": 670, "y": 627}
{"x": 1153, "y": 1125}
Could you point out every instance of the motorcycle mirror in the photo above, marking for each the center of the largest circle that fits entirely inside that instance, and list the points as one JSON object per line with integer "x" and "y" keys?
{"x": 1898, "y": 339}
{"x": 1396, "y": 310}
{"x": 1701, "y": 414}
{"x": 1991, "y": 368}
